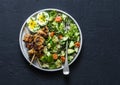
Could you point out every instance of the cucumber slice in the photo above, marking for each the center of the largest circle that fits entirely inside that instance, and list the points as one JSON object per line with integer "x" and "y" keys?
{"x": 76, "y": 50}
{"x": 71, "y": 51}
{"x": 62, "y": 53}
{"x": 45, "y": 65}
{"x": 45, "y": 50}
{"x": 71, "y": 44}
{"x": 70, "y": 58}
{"x": 64, "y": 16}
{"x": 49, "y": 46}
{"x": 58, "y": 63}
{"x": 55, "y": 39}
{"x": 65, "y": 38}
{"x": 48, "y": 54}
{"x": 58, "y": 46}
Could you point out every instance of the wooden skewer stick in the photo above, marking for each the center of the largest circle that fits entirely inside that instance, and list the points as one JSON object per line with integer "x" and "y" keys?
{"x": 38, "y": 62}
{"x": 32, "y": 59}
{"x": 26, "y": 30}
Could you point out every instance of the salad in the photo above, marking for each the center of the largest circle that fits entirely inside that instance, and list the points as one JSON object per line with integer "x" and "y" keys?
{"x": 47, "y": 38}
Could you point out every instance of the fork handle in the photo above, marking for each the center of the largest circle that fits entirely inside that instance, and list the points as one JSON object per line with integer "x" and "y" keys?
{"x": 66, "y": 70}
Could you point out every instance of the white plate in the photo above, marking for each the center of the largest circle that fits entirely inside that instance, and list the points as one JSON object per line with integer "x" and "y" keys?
{"x": 24, "y": 49}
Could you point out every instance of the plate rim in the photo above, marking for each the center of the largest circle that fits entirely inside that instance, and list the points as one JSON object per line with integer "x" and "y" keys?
{"x": 24, "y": 53}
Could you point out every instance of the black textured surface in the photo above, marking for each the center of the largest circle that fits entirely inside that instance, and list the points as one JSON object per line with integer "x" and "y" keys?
{"x": 99, "y": 61}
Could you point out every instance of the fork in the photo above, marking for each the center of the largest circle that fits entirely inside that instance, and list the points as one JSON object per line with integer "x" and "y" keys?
{"x": 66, "y": 70}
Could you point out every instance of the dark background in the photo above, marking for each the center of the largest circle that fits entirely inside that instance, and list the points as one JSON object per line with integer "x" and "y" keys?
{"x": 99, "y": 61}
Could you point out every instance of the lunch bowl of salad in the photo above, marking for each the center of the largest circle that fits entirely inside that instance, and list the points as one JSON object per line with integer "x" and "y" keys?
{"x": 43, "y": 38}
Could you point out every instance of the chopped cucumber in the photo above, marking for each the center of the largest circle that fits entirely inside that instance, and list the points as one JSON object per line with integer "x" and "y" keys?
{"x": 70, "y": 58}
{"x": 55, "y": 39}
{"x": 49, "y": 46}
{"x": 58, "y": 63}
{"x": 45, "y": 50}
{"x": 45, "y": 65}
{"x": 62, "y": 42}
{"x": 71, "y": 44}
{"x": 77, "y": 33}
{"x": 65, "y": 38}
{"x": 64, "y": 16}
{"x": 58, "y": 46}
{"x": 48, "y": 54}
{"x": 71, "y": 51}
{"x": 76, "y": 50}
{"x": 62, "y": 53}
{"x": 78, "y": 38}
{"x": 55, "y": 49}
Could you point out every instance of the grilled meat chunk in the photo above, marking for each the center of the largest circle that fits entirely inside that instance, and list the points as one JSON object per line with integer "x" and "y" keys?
{"x": 35, "y": 42}
{"x": 28, "y": 38}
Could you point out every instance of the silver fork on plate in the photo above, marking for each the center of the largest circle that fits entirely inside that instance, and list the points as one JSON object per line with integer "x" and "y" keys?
{"x": 66, "y": 70}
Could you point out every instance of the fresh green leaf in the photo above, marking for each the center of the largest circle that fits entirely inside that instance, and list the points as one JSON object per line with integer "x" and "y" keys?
{"x": 43, "y": 59}
{"x": 49, "y": 59}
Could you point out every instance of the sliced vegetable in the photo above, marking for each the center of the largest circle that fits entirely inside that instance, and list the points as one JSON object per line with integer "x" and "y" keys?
{"x": 64, "y": 16}
{"x": 49, "y": 46}
{"x": 76, "y": 50}
{"x": 55, "y": 56}
{"x": 58, "y": 63}
{"x": 45, "y": 65}
{"x": 55, "y": 39}
{"x": 70, "y": 58}
{"x": 60, "y": 36}
{"x": 43, "y": 59}
{"x": 70, "y": 51}
{"x": 45, "y": 50}
{"x": 52, "y": 34}
{"x": 62, "y": 59}
{"x": 52, "y": 66}
{"x": 55, "y": 49}
{"x": 52, "y": 15}
{"x": 71, "y": 44}
{"x": 55, "y": 26}
{"x": 77, "y": 44}
{"x": 62, "y": 53}
{"x": 58, "y": 46}
{"x": 58, "y": 19}
{"x": 49, "y": 59}
{"x": 65, "y": 38}
{"x": 62, "y": 27}
{"x": 48, "y": 54}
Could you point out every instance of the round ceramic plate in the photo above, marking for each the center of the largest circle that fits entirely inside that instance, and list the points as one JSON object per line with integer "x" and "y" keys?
{"x": 24, "y": 49}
